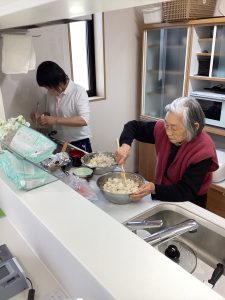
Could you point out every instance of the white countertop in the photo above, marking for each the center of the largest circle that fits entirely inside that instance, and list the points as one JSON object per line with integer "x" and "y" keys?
{"x": 112, "y": 261}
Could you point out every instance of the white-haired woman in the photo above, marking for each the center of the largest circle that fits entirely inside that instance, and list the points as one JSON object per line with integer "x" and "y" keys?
{"x": 186, "y": 155}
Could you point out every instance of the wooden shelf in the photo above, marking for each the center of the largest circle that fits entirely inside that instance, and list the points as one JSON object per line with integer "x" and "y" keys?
{"x": 209, "y": 54}
{"x": 217, "y": 79}
{"x": 215, "y": 130}
{"x": 203, "y": 54}
{"x": 203, "y": 40}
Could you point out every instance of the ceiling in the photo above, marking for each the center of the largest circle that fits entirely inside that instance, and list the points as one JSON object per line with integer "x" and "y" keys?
{"x": 14, "y": 13}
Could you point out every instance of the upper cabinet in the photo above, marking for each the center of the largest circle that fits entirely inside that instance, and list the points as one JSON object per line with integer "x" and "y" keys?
{"x": 184, "y": 59}
{"x": 207, "y": 72}
{"x": 208, "y": 53}
{"x": 207, "y": 65}
{"x": 164, "y": 56}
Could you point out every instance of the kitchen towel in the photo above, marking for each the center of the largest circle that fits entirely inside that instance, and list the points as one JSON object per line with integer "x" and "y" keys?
{"x": 18, "y": 54}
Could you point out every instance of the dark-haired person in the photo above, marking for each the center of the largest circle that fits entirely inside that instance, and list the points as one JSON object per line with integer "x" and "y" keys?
{"x": 186, "y": 155}
{"x": 67, "y": 106}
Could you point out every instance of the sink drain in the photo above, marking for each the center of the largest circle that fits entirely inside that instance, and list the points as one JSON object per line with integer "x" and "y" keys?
{"x": 180, "y": 253}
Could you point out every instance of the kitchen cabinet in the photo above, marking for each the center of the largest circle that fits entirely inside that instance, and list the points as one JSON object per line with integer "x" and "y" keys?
{"x": 147, "y": 161}
{"x": 203, "y": 66}
{"x": 216, "y": 200}
{"x": 207, "y": 59}
{"x": 208, "y": 54}
{"x": 164, "y": 71}
{"x": 164, "y": 54}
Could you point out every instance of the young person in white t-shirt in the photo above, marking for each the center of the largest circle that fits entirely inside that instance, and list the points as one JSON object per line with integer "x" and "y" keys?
{"x": 67, "y": 106}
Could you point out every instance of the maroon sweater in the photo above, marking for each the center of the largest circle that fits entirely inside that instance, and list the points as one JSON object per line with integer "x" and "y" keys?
{"x": 200, "y": 148}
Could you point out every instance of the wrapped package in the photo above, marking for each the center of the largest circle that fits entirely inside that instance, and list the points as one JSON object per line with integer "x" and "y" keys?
{"x": 29, "y": 143}
{"x": 24, "y": 174}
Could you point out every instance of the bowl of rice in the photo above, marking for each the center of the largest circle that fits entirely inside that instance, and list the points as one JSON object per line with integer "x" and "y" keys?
{"x": 100, "y": 162}
{"x": 118, "y": 186}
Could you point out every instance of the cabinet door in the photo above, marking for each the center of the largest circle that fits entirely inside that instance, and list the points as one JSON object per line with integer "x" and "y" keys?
{"x": 163, "y": 70}
{"x": 216, "y": 202}
{"x": 147, "y": 161}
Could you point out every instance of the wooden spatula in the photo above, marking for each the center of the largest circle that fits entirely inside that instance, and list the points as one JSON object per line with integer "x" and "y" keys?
{"x": 122, "y": 166}
{"x": 64, "y": 147}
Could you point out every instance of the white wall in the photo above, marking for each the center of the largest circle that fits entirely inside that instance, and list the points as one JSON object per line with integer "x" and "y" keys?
{"x": 20, "y": 92}
{"x": 122, "y": 58}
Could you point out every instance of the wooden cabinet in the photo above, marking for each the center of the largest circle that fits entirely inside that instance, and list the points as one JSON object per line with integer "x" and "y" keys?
{"x": 172, "y": 54}
{"x": 147, "y": 161}
{"x": 179, "y": 59}
{"x": 207, "y": 67}
{"x": 216, "y": 200}
{"x": 207, "y": 55}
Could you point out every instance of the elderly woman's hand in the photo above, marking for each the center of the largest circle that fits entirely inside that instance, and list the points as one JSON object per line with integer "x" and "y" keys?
{"x": 122, "y": 154}
{"x": 145, "y": 189}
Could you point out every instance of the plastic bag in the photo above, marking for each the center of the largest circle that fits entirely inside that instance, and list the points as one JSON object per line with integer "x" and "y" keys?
{"x": 81, "y": 186}
{"x": 29, "y": 143}
{"x": 25, "y": 175}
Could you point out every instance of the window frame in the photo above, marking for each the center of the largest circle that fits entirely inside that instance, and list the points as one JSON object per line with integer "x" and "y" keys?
{"x": 95, "y": 56}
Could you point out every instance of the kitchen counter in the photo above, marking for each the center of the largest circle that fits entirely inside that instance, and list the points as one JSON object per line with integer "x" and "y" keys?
{"x": 43, "y": 281}
{"x": 91, "y": 254}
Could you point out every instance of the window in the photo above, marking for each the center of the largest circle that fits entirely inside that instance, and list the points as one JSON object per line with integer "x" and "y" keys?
{"x": 86, "y": 42}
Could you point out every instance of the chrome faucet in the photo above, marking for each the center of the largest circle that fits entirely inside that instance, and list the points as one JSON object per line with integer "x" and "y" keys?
{"x": 145, "y": 224}
{"x": 171, "y": 232}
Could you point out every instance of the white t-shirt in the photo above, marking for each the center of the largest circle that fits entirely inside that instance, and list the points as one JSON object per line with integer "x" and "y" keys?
{"x": 73, "y": 102}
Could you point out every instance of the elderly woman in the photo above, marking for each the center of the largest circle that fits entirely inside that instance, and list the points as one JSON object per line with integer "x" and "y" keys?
{"x": 186, "y": 155}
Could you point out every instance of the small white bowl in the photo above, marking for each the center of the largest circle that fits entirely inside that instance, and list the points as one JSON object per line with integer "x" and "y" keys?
{"x": 82, "y": 172}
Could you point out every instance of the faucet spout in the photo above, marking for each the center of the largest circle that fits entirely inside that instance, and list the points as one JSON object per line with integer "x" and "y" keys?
{"x": 145, "y": 224}
{"x": 171, "y": 232}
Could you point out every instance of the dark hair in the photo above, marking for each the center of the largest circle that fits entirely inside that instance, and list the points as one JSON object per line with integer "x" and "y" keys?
{"x": 192, "y": 113}
{"x": 49, "y": 74}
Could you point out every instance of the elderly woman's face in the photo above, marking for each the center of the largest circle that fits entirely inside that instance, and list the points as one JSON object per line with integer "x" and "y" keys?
{"x": 175, "y": 129}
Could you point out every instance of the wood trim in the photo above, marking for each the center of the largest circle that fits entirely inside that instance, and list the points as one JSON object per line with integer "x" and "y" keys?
{"x": 207, "y": 78}
{"x": 143, "y": 70}
{"x": 188, "y": 61}
{"x": 217, "y": 187}
{"x": 203, "y": 54}
{"x": 96, "y": 98}
{"x": 204, "y": 40}
{"x": 211, "y": 21}
{"x": 164, "y": 25}
{"x": 215, "y": 130}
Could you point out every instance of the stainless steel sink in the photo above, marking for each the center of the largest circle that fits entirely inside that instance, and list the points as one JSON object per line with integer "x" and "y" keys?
{"x": 208, "y": 242}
